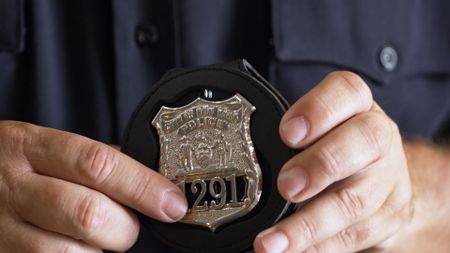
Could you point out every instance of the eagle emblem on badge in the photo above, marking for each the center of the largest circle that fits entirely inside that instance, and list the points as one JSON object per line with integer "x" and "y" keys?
{"x": 207, "y": 151}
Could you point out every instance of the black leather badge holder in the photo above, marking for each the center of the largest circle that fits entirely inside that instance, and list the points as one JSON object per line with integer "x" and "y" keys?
{"x": 213, "y": 131}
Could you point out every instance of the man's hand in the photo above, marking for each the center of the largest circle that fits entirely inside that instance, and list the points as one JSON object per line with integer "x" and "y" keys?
{"x": 352, "y": 172}
{"x": 61, "y": 192}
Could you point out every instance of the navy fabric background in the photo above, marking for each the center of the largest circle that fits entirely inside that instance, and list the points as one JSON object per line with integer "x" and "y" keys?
{"x": 77, "y": 65}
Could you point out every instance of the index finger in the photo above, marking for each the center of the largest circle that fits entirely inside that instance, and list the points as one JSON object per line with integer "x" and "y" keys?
{"x": 87, "y": 162}
{"x": 335, "y": 99}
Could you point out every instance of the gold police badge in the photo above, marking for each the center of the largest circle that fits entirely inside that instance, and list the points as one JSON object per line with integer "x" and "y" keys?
{"x": 206, "y": 149}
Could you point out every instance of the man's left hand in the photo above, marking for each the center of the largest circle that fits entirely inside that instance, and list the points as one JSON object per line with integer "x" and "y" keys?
{"x": 352, "y": 175}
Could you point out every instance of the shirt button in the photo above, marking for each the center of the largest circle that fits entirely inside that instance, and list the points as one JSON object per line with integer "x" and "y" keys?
{"x": 147, "y": 35}
{"x": 388, "y": 58}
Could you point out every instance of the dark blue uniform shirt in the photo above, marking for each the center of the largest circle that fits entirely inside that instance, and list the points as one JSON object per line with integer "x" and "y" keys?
{"x": 83, "y": 65}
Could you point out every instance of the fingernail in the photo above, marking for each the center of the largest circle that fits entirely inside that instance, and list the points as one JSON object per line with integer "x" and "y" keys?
{"x": 293, "y": 181}
{"x": 295, "y": 130}
{"x": 273, "y": 242}
{"x": 174, "y": 205}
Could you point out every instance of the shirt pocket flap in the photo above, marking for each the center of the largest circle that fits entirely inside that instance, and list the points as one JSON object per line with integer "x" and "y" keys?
{"x": 351, "y": 34}
{"x": 11, "y": 25}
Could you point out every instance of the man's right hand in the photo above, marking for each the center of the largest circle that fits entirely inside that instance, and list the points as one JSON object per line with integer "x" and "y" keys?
{"x": 61, "y": 192}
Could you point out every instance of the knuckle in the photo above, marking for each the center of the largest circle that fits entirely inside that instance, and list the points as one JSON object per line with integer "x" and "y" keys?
{"x": 12, "y": 185}
{"x": 14, "y": 137}
{"x": 308, "y": 229}
{"x": 97, "y": 163}
{"x": 314, "y": 249}
{"x": 328, "y": 161}
{"x": 7, "y": 125}
{"x": 351, "y": 203}
{"x": 388, "y": 209}
{"x": 13, "y": 191}
{"x": 328, "y": 112}
{"x": 347, "y": 238}
{"x": 90, "y": 215}
{"x": 377, "y": 130}
{"x": 355, "y": 85}
{"x": 15, "y": 134}
{"x": 141, "y": 188}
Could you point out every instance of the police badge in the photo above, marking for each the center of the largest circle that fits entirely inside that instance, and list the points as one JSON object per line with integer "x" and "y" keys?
{"x": 206, "y": 147}
{"x": 213, "y": 131}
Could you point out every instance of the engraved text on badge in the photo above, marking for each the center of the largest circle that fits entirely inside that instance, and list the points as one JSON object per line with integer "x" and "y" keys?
{"x": 206, "y": 149}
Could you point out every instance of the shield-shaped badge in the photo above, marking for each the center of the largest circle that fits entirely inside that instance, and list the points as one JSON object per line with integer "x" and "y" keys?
{"x": 213, "y": 131}
{"x": 206, "y": 149}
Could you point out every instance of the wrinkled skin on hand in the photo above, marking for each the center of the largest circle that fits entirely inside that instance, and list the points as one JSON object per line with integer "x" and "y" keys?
{"x": 61, "y": 192}
{"x": 353, "y": 172}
